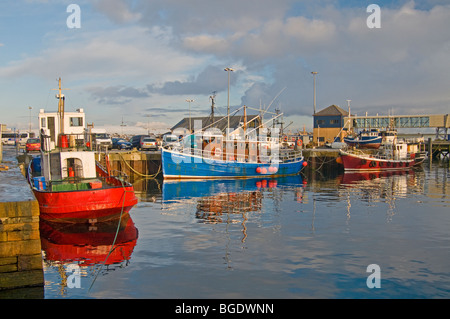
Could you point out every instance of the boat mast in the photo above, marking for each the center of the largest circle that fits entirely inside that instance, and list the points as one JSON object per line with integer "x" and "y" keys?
{"x": 61, "y": 99}
{"x": 212, "y": 97}
{"x": 60, "y": 108}
{"x": 245, "y": 119}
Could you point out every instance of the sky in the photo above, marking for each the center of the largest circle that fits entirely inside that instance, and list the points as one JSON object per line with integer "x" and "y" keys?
{"x": 132, "y": 64}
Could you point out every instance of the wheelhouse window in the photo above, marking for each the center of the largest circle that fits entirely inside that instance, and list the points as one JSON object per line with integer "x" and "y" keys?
{"x": 76, "y": 121}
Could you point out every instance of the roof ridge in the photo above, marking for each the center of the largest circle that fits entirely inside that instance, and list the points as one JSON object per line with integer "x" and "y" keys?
{"x": 332, "y": 110}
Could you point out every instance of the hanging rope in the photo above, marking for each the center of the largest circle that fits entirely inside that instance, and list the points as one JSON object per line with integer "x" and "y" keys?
{"x": 115, "y": 237}
{"x": 138, "y": 173}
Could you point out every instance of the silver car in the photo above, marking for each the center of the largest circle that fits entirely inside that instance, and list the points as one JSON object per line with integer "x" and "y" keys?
{"x": 149, "y": 143}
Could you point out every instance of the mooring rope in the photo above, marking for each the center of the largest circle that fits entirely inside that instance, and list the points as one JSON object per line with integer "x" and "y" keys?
{"x": 138, "y": 173}
{"x": 115, "y": 237}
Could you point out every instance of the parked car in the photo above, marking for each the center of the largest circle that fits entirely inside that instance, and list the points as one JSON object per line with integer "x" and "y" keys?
{"x": 136, "y": 140}
{"x": 170, "y": 140}
{"x": 149, "y": 143}
{"x": 121, "y": 144}
{"x": 101, "y": 138}
{"x": 32, "y": 145}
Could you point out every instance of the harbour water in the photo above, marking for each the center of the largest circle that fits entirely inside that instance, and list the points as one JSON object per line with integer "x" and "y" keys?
{"x": 297, "y": 237}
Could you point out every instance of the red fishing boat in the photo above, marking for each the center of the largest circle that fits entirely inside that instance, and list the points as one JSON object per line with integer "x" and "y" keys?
{"x": 71, "y": 186}
{"x": 390, "y": 156}
{"x": 95, "y": 199}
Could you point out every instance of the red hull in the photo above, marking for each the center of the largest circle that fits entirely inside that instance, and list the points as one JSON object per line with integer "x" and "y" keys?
{"x": 360, "y": 163}
{"x": 90, "y": 246}
{"x": 92, "y": 204}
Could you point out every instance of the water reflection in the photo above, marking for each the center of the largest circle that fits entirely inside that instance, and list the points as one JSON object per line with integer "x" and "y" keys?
{"x": 85, "y": 245}
{"x": 219, "y": 201}
{"x": 285, "y": 238}
{"x": 375, "y": 187}
{"x": 174, "y": 191}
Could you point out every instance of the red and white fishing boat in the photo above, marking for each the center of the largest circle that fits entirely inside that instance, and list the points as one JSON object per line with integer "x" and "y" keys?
{"x": 71, "y": 186}
{"x": 390, "y": 156}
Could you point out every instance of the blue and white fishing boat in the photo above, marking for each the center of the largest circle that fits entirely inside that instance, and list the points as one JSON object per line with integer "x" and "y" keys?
{"x": 210, "y": 154}
{"x": 365, "y": 139}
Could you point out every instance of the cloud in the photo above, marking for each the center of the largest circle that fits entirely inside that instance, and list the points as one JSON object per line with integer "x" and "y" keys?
{"x": 212, "y": 78}
{"x": 274, "y": 38}
{"x": 117, "y": 10}
{"x": 210, "y": 17}
{"x": 153, "y": 52}
{"x": 129, "y": 52}
{"x": 207, "y": 43}
{"x": 400, "y": 66}
{"x": 119, "y": 94}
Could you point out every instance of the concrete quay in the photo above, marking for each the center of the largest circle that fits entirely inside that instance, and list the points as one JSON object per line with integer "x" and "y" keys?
{"x": 138, "y": 164}
{"x": 21, "y": 268}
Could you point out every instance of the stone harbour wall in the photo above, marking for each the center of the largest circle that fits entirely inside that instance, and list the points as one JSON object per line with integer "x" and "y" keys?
{"x": 20, "y": 245}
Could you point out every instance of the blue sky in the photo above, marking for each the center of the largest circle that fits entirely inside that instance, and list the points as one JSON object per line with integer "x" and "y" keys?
{"x": 140, "y": 60}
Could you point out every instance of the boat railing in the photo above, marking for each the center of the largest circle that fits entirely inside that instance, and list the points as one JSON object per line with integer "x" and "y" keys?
{"x": 72, "y": 141}
{"x": 377, "y": 155}
{"x": 113, "y": 176}
{"x": 120, "y": 175}
{"x": 271, "y": 156}
{"x": 290, "y": 156}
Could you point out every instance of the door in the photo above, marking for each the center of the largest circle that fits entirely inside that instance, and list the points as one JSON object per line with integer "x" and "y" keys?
{"x": 51, "y": 127}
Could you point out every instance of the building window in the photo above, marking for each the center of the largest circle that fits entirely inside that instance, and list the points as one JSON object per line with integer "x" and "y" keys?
{"x": 76, "y": 121}
{"x": 334, "y": 121}
{"x": 43, "y": 122}
{"x": 320, "y": 122}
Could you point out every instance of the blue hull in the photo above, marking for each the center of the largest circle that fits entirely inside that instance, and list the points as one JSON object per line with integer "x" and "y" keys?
{"x": 178, "y": 190}
{"x": 372, "y": 142}
{"x": 179, "y": 166}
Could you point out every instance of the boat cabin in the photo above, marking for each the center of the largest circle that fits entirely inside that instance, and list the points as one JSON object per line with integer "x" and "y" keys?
{"x": 389, "y": 136}
{"x": 73, "y": 124}
{"x": 396, "y": 151}
{"x": 58, "y": 166}
{"x": 368, "y": 134}
{"x": 212, "y": 144}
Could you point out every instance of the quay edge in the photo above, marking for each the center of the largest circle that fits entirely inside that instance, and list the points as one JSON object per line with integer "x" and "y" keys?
{"x": 21, "y": 265}
{"x": 148, "y": 164}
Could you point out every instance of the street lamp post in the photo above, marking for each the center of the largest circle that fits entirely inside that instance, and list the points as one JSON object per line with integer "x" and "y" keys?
{"x": 190, "y": 128}
{"x": 314, "y": 77}
{"x": 29, "y": 131}
{"x": 228, "y": 109}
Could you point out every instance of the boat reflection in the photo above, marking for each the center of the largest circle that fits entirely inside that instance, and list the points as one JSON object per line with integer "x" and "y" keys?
{"x": 227, "y": 201}
{"x": 88, "y": 244}
{"x": 174, "y": 191}
{"x": 382, "y": 186}
{"x": 231, "y": 201}
{"x": 211, "y": 209}
{"x": 349, "y": 178}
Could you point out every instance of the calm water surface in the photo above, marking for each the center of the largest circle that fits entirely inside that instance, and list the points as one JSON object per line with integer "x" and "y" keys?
{"x": 296, "y": 237}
